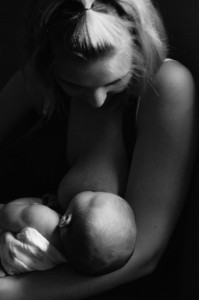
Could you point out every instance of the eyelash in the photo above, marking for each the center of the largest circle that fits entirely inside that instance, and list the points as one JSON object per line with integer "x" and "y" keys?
{"x": 116, "y": 84}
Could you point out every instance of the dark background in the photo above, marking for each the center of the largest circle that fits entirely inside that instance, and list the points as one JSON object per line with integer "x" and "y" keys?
{"x": 181, "y": 18}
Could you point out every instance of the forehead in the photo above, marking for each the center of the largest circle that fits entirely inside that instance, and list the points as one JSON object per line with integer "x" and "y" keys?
{"x": 96, "y": 72}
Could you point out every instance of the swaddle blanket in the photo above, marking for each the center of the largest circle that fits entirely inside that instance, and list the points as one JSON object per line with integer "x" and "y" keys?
{"x": 27, "y": 251}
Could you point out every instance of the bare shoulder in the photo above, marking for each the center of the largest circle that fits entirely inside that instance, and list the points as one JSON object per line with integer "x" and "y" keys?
{"x": 171, "y": 95}
{"x": 174, "y": 84}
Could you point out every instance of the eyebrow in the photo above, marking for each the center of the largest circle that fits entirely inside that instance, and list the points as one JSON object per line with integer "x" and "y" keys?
{"x": 81, "y": 86}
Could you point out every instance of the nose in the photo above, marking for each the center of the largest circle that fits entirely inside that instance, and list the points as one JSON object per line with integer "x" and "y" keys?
{"x": 97, "y": 97}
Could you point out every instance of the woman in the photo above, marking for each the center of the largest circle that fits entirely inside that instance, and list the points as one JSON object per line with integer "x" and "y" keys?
{"x": 98, "y": 81}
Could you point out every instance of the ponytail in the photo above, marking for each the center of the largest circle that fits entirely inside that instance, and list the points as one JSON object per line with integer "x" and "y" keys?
{"x": 89, "y": 29}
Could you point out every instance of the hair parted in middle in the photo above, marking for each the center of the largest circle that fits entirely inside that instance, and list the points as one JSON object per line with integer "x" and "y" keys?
{"x": 88, "y": 29}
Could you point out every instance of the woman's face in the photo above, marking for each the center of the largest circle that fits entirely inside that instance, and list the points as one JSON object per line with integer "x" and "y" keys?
{"x": 96, "y": 81}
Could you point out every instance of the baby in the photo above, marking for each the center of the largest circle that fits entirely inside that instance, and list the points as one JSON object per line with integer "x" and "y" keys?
{"x": 96, "y": 234}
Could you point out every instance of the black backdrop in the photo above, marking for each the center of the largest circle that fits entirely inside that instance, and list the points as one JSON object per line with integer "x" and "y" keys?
{"x": 182, "y": 25}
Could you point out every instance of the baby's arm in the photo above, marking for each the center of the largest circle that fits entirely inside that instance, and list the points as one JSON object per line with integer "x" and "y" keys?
{"x": 11, "y": 213}
{"x": 11, "y": 216}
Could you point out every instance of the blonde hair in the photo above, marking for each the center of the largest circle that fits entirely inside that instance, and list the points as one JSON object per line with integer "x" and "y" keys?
{"x": 70, "y": 27}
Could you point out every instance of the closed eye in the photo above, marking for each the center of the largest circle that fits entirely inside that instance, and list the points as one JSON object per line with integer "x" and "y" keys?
{"x": 73, "y": 85}
{"x": 70, "y": 84}
{"x": 114, "y": 82}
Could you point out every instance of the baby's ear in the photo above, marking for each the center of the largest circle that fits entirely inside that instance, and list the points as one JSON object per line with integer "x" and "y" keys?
{"x": 65, "y": 220}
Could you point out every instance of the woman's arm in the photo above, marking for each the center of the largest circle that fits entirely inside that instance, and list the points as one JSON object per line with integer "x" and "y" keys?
{"x": 163, "y": 159}
{"x": 64, "y": 283}
{"x": 158, "y": 182}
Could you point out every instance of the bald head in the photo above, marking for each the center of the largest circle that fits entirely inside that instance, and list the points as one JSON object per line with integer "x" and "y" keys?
{"x": 103, "y": 226}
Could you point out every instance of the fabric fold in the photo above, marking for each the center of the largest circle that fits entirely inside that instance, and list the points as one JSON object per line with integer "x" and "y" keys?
{"x": 28, "y": 251}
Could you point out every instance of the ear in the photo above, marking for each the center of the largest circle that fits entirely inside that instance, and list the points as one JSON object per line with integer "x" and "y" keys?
{"x": 65, "y": 220}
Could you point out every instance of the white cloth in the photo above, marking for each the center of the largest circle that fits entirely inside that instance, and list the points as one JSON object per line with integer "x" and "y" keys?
{"x": 27, "y": 251}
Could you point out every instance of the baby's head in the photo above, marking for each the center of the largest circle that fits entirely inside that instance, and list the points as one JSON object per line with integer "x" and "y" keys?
{"x": 100, "y": 233}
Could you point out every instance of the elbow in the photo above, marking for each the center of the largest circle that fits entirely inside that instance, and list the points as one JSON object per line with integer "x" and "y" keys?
{"x": 153, "y": 257}
{"x": 148, "y": 264}
{"x": 147, "y": 267}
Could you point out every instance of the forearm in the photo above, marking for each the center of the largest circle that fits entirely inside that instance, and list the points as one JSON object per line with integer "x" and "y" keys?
{"x": 62, "y": 282}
